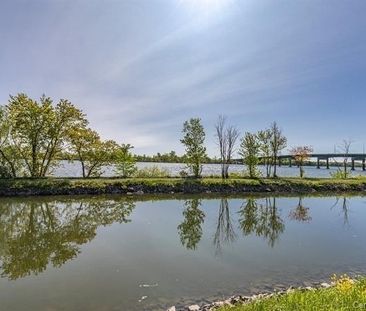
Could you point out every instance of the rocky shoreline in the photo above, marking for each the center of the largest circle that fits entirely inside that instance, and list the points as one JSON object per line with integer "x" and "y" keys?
{"x": 242, "y": 299}
{"x": 29, "y": 187}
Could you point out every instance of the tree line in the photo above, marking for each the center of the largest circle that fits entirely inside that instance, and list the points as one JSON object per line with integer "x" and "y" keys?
{"x": 264, "y": 145}
{"x": 171, "y": 157}
{"x": 36, "y": 134}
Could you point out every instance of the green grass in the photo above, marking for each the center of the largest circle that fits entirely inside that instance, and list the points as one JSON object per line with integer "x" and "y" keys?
{"x": 157, "y": 185}
{"x": 55, "y": 181}
{"x": 347, "y": 294}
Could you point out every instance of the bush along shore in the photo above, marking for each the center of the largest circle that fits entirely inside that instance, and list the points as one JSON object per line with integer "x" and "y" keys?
{"x": 342, "y": 293}
{"x": 79, "y": 186}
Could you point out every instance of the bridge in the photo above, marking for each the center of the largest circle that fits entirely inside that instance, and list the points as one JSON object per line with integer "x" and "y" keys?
{"x": 326, "y": 156}
{"x": 321, "y": 158}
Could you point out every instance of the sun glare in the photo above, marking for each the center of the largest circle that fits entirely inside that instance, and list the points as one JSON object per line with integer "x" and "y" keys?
{"x": 205, "y": 5}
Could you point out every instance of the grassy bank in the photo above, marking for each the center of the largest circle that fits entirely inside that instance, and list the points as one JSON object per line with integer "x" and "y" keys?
{"x": 346, "y": 294}
{"x": 65, "y": 186}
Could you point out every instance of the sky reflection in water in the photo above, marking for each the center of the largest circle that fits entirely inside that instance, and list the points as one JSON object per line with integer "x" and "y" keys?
{"x": 106, "y": 253}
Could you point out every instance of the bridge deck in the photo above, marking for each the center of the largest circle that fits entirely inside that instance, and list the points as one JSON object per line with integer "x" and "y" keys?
{"x": 322, "y": 156}
{"x": 355, "y": 156}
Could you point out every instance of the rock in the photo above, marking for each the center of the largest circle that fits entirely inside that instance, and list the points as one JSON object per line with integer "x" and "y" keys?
{"x": 235, "y": 299}
{"x": 228, "y": 302}
{"x": 219, "y": 303}
{"x": 142, "y": 298}
{"x": 194, "y": 308}
{"x": 306, "y": 283}
{"x": 171, "y": 308}
{"x": 139, "y": 192}
{"x": 325, "y": 285}
{"x": 149, "y": 285}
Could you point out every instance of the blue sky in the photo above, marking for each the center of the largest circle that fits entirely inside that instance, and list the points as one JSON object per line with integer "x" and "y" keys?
{"x": 140, "y": 68}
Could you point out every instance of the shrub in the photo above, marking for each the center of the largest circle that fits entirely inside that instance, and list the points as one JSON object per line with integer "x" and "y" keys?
{"x": 237, "y": 175}
{"x": 125, "y": 161}
{"x": 339, "y": 174}
{"x": 153, "y": 171}
{"x": 183, "y": 174}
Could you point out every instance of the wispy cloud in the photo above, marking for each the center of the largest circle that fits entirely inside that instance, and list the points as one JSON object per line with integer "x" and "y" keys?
{"x": 140, "y": 68}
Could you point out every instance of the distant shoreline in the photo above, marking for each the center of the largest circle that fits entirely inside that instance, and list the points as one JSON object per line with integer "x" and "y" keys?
{"x": 140, "y": 186}
{"x": 218, "y": 162}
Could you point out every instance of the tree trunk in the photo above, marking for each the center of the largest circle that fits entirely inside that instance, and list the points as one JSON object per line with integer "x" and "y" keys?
{"x": 226, "y": 171}
{"x": 83, "y": 168}
{"x": 12, "y": 167}
{"x": 301, "y": 171}
{"x": 275, "y": 167}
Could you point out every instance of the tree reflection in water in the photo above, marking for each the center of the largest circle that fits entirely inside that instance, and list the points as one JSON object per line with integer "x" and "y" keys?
{"x": 224, "y": 227}
{"x": 34, "y": 234}
{"x": 300, "y": 213}
{"x": 190, "y": 230}
{"x": 261, "y": 219}
{"x": 344, "y": 209}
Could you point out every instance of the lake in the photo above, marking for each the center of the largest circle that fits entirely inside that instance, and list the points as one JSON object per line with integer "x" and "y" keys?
{"x": 73, "y": 169}
{"x": 149, "y": 253}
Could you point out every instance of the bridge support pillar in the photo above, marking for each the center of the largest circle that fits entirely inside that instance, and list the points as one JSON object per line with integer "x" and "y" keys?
{"x": 290, "y": 162}
{"x": 317, "y": 163}
{"x": 353, "y": 165}
{"x": 279, "y": 162}
{"x": 363, "y": 165}
{"x": 328, "y": 163}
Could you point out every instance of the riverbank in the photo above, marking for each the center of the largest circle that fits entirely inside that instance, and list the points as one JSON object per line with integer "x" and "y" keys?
{"x": 79, "y": 186}
{"x": 342, "y": 293}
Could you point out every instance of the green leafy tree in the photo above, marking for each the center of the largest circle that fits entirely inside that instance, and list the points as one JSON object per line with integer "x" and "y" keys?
{"x": 278, "y": 142}
{"x": 10, "y": 162}
{"x": 91, "y": 151}
{"x": 39, "y": 130}
{"x": 125, "y": 161}
{"x": 249, "y": 150}
{"x": 193, "y": 140}
{"x": 265, "y": 138}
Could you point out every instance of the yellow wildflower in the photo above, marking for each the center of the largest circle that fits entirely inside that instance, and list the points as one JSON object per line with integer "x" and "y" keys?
{"x": 343, "y": 283}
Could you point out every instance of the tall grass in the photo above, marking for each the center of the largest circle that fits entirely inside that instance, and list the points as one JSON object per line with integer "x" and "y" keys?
{"x": 151, "y": 172}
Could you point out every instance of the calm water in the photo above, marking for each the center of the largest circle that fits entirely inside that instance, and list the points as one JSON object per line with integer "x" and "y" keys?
{"x": 114, "y": 253}
{"x": 74, "y": 170}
